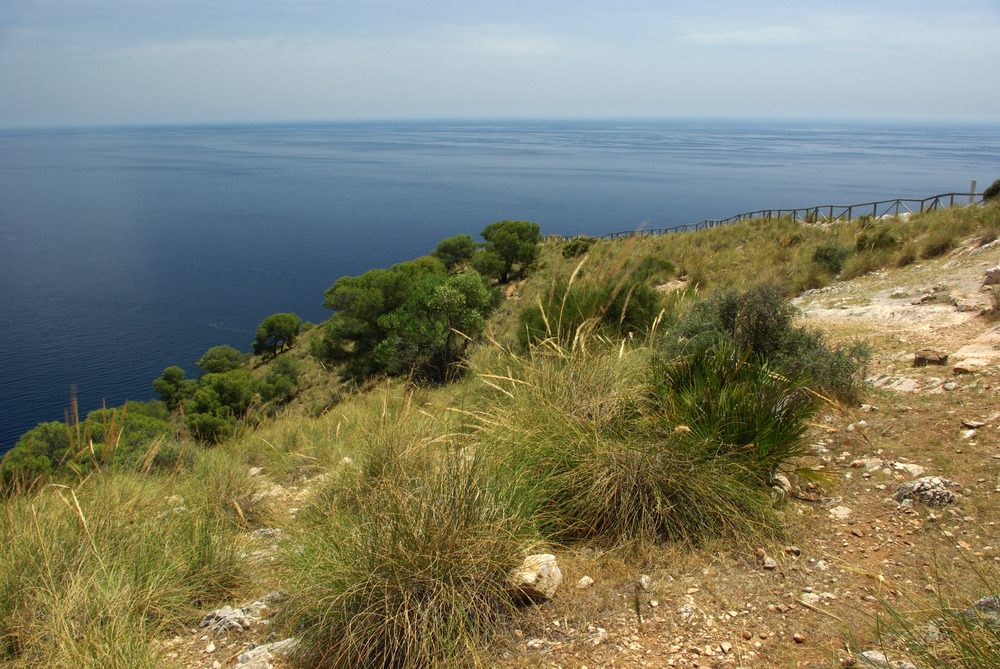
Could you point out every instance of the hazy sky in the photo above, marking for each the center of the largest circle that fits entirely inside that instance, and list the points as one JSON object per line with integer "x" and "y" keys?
{"x": 105, "y": 62}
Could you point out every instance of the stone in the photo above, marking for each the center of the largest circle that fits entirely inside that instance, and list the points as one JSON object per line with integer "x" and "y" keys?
{"x": 258, "y": 658}
{"x": 770, "y": 564}
{"x": 798, "y": 638}
{"x": 929, "y": 490}
{"x": 600, "y": 637}
{"x": 584, "y": 583}
{"x": 793, "y": 550}
{"x": 968, "y": 434}
{"x": 537, "y": 579}
{"x": 927, "y": 356}
{"x": 909, "y": 468}
{"x": 992, "y": 276}
{"x": 964, "y": 369}
{"x": 973, "y": 424}
{"x": 840, "y": 512}
{"x": 226, "y": 619}
{"x": 810, "y": 598}
{"x": 876, "y": 657}
{"x": 645, "y": 583}
{"x": 781, "y": 481}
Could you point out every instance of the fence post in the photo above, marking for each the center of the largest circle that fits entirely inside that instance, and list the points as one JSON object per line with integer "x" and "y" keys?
{"x": 972, "y": 192}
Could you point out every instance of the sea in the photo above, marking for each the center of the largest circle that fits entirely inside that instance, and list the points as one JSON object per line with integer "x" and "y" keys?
{"x": 127, "y": 250}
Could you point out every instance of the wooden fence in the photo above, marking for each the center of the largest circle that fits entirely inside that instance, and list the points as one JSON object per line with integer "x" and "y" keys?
{"x": 827, "y": 213}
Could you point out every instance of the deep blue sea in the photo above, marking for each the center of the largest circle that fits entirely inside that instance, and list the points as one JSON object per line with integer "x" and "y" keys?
{"x": 124, "y": 251}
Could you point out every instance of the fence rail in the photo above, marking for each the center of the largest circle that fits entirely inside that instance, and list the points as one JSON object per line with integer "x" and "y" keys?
{"x": 827, "y": 213}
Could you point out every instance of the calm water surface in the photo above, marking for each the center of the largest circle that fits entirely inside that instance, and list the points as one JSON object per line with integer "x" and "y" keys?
{"x": 124, "y": 251}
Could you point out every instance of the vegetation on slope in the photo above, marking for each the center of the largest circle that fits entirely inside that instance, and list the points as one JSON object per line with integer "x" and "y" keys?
{"x": 624, "y": 415}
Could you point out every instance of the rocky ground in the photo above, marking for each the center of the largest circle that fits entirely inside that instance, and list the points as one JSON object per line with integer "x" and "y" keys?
{"x": 851, "y": 549}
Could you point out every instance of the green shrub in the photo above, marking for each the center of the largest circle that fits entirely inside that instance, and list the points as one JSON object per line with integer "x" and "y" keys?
{"x": 940, "y": 239}
{"x": 875, "y": 239}
{"x": 759, "y": 322}
{"x": 566, "y": 311}
{"x": 865, "y": 262}
{"x": 604, "y": 460}
{"x": 992, "y": 191}
{"x": 403, "y": 560}
{"x": 508, "y": 243}
{"x": 736, "y": 405}
{"x": 220, "y": 401}
{"x": 282, "y": 380}
{"x": 831, "y": 257}
{"x": 219, "y": 359}
{"x": 577, "y": 247}
{"x": 907, "y": 254}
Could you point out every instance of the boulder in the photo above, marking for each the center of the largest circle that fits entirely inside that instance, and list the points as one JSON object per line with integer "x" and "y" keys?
{"x": 536, "y": 580}
{"x": 929, "y": 490}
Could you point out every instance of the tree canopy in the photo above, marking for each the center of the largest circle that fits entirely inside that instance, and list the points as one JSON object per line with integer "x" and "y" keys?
{"x": 403, "y": 320}
{"x": 219, "y": 359}
{"x": 276, "y": 333}
{"x": 427, "y": 335}
{"x": 454, "y": 250}
{"x": 507, "y": 243}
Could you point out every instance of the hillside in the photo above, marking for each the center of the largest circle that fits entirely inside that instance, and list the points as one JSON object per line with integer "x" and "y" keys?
{"x": 771, "y": 570}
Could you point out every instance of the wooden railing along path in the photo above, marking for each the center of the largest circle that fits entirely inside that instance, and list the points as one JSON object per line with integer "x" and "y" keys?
{"x": 826, "y": 213}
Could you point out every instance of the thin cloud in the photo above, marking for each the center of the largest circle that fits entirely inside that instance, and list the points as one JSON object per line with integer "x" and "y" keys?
{"x": 515, "y": 46}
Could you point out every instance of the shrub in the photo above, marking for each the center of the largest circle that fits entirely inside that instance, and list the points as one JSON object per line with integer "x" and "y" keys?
{"x": 875, "y": 239}
{"x": 759, "y": 322}
{"x": 403, "y": 561}
{"x": 907, "y": 254}
{"x": 281, "y": 381}
{"x": 863, "y": 263}
{"x": 630, "y": 306}
{"x": 219, "y": 402}
{"x": 351, "y": 335}
{"x": 831, "y": 257}
{"x": 603, "y": 459}
{"x": 992, "y": 191}
{"x": 940, "y": 239}
{"x": 577, "y": 247}
{"x": 173, "y": 387}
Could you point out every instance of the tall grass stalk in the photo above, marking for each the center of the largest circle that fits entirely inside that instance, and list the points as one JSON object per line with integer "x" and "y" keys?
{"x": 89, "y": 576}
{"x": 403, "y": 557}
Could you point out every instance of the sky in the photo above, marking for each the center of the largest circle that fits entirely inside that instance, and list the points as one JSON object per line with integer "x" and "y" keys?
{"x": 138, "y": 62}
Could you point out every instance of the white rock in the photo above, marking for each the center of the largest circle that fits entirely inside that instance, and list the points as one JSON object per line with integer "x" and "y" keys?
{"x": 911, "y": 469}
{"x": 537, "y": 579}
{"x": 840, "y": 512}
{"x": 585, "y": 583}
